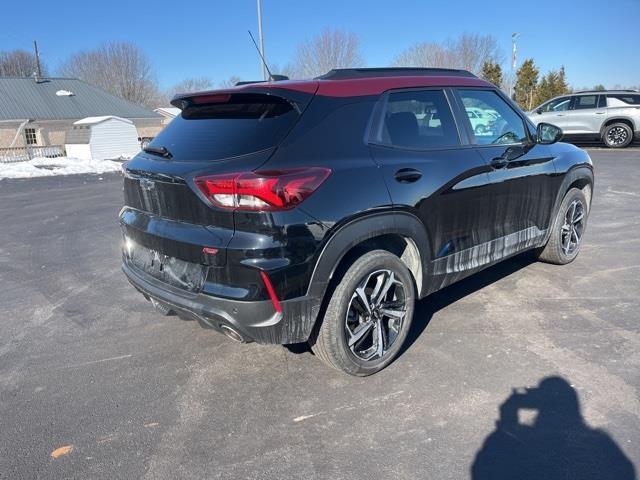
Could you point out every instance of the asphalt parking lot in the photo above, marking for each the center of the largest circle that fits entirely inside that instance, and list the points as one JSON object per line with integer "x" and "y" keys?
{"x": 91, "y": 375}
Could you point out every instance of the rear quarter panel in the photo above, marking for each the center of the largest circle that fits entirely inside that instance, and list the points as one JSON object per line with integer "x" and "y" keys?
{"x": 332, "y": 135}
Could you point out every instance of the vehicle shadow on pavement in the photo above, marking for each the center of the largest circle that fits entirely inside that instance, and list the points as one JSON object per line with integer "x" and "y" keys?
{"x": 555, "y": 442}
{"x": 429, "y": 306}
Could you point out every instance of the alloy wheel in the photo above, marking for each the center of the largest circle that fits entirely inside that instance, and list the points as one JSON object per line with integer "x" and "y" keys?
{"x": 573, "y": 227}
{"x": 375, "y": 315}
{"x": 617, "y": 136}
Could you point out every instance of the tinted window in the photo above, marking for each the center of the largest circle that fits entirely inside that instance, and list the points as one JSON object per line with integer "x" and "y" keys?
{"x": 243, "y": 124}
{"x": 504, "y": 126}
{"x": 629, "y": 99}
{"x": 558, "y": 105}
{"x": 585, "y": 101}
{"x": 418, "y": 119}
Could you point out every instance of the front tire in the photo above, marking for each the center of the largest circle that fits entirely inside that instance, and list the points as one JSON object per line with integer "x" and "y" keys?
{"x": 567, "y": 230}
{"x": 617, "y": 135}
{"x": 368, "y": 315}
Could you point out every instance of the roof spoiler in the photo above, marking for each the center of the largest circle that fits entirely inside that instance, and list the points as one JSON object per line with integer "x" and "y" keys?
{"x": 292, "y": 91}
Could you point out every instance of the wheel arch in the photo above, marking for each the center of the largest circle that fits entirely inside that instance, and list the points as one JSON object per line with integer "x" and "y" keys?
{"x": 617, "y": 119}
{"x": 580, "y": 176}
{"x": 400, "y": 233}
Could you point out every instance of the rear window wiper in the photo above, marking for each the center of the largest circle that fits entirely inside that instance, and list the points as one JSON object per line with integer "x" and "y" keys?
{"x": 162, "y": 151}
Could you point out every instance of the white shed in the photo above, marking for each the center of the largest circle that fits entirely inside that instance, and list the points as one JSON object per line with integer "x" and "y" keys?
{"x": 102, "y": 138}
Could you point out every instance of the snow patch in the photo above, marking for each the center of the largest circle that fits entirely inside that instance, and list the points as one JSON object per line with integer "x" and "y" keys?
{"x": 48, "y": 167}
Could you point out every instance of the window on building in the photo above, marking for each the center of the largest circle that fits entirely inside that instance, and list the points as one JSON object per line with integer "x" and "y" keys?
{"x": 31, "y": 136}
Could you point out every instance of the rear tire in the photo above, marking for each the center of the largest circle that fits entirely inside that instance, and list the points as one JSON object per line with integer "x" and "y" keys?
{"x": 617, "y": 135}
{"x": 368, "y": 316}
{"x": 567, "y": 230}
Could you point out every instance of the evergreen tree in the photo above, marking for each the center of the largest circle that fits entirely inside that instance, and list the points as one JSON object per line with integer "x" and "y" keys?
{"x": 553, "y": 84}
{"x": 526, "y": 84}
{"x": 492, "y": 72}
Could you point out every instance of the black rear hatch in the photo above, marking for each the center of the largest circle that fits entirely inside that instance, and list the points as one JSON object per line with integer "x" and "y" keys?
{"x": 215, "y": 133}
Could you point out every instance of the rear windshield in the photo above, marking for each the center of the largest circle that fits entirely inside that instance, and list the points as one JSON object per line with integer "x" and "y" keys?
{"x": 238, "y": 125}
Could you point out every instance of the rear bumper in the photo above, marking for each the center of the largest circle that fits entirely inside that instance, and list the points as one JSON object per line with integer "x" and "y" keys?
{"x": 253, "y": 320}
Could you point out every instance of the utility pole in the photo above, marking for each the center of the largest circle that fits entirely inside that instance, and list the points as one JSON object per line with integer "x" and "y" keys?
{"x": 514, "y": 37}
{"x": 265, "y": 75}
{"x": 38, "y": 69}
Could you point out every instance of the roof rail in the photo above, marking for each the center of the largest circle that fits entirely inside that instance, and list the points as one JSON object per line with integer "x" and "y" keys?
{"x": 608, "y": 91}
{"x": 346, "y": 73}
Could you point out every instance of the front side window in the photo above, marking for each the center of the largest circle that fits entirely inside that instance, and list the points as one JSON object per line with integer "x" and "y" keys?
{"x": 503, "y": 125}
{"x": 31, "y": 136}
{"x": 585, "y": 101}
{"x": 418, "y": 119}
{"x": 558, "y": 105}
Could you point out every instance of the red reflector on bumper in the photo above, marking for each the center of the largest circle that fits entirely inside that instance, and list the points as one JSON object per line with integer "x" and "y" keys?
{"x": 210, "y": 250}
{"x": 272, "y": 292}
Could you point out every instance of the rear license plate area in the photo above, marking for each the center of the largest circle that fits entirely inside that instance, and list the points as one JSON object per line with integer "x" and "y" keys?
{"x": 170, "y": 270}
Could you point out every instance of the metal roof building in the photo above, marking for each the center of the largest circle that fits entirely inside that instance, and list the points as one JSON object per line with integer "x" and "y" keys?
{"x": 61, "y": 98}
{"x": 39, "y": 112}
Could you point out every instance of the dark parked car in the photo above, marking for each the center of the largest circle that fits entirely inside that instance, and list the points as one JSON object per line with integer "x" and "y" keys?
{"x": 319, "y": 211}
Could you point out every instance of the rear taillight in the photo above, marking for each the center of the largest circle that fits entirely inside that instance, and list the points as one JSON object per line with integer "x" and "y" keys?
{"x": 262, "y": 191}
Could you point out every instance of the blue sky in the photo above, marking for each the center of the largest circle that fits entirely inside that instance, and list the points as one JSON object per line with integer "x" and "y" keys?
{"x": 596, "y": 44}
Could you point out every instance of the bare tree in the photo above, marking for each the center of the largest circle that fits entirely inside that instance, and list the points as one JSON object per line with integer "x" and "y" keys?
{"x": 230, "y": 82}
{"x": 195, "y": 84}
{"x": 19, "y": 63}
{"x": 426, "y": 54}
{"x": 330, "y": 49}
{"x": 119, "y": 68}
{"x": 473, "y": 50}
{"x": 187, "y": 85}
{"x": 469, "y": 52}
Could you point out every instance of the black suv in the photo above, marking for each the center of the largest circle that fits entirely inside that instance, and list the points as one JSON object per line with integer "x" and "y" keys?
{"x": 319, "y": 211}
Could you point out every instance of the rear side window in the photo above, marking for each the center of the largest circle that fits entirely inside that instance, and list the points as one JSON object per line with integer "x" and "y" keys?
{"x": 585, "y": 101}
{"x": 500, "y": 123}
{"x": 624, "y": 98}
{"x": 417, "y": 119}
{"x": 235, "y": 125}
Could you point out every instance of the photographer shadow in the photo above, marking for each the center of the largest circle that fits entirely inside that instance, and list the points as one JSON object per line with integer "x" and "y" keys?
{"x": 555, "y": 443}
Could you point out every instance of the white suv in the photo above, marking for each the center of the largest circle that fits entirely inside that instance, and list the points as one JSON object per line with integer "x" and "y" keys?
{"x": 612, "y": 116}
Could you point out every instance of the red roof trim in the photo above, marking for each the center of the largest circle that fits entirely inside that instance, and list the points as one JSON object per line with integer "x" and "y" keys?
{"x": 355, "y": 87}
{"x": 377, "y": 85}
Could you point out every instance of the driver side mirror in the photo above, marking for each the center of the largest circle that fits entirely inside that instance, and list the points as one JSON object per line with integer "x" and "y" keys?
{"x": 539, "y": 111}
{"x": 546, "y": 134}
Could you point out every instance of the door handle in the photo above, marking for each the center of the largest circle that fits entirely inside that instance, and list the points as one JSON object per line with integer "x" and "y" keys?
{"x": 408, "y": 175}
{"x": 559, "y": 114}
{"x": 600, "y": 113}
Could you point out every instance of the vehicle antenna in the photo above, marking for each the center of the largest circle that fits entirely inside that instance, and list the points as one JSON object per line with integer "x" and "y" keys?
{"x": 261, "y": 57}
